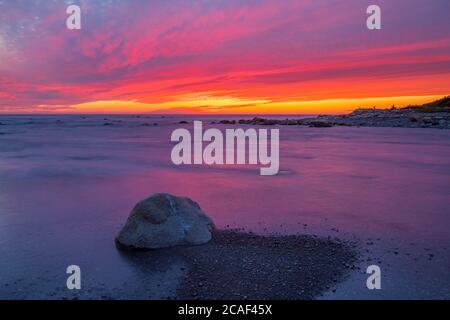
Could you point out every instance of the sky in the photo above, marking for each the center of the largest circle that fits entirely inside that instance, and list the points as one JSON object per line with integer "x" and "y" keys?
{"x": 221, "y": 56}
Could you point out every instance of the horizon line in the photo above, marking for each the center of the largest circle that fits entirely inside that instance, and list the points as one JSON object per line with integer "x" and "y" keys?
{"x": 312, "y": 107}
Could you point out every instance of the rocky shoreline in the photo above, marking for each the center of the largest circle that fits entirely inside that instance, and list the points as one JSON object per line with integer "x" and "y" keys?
{"x": 432, "y": 115}
{"x": 231, "y": 264}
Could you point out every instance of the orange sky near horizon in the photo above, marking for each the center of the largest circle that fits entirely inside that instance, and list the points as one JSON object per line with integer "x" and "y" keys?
{"x": 219, "y": 106}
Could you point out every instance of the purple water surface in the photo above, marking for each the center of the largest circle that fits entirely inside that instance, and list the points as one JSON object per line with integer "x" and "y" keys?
{"x": 67, "y": 184}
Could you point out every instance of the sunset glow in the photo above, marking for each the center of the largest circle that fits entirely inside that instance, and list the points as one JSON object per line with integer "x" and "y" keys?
{"x": 219, "y": 56}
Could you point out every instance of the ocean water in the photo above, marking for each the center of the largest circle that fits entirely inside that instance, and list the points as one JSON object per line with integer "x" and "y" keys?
{"x": 68, "y": 183}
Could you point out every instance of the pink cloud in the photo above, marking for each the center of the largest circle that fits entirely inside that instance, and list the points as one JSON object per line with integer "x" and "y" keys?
{"x": 155, "y": 51}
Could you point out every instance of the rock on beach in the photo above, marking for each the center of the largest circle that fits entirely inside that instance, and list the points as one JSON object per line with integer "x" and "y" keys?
{"x": 164, "y": 220}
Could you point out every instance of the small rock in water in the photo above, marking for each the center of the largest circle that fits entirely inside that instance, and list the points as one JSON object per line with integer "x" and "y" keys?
{"x": 164, "y": 220}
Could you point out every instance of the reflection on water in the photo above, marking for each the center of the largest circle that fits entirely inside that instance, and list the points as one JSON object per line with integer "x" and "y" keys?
{"x": 68, "y": 183}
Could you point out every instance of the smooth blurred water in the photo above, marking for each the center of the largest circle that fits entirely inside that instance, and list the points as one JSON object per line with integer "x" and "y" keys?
{"x": 67, "y": 184}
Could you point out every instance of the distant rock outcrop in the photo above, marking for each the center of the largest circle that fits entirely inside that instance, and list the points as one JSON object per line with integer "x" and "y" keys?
{"x": 164, "y": 220}
{"x": 435, "y": 114}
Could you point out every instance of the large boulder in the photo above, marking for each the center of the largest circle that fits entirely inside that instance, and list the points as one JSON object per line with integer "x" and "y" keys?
{"x": 164, "y": 220}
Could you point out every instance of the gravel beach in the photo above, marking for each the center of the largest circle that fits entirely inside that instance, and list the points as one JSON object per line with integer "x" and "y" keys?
{"x": 245, "y": 266}
{"x": 237, "y": 265}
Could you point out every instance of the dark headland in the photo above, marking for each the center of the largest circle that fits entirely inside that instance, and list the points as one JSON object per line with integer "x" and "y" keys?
{"x": 435, "y": 114}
